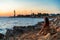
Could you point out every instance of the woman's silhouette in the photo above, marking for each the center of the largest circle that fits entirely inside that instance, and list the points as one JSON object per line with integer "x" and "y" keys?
{"x": 46, "y": 28}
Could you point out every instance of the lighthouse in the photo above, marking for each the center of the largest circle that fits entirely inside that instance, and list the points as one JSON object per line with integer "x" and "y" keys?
{"x": 14, "y": 13}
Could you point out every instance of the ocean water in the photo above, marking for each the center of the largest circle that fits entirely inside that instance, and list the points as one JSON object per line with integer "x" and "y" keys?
{"x": 8, "y": 23}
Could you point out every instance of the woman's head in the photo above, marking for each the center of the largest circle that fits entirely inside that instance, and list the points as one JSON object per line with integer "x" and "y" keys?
{"x": 46, "y": 21}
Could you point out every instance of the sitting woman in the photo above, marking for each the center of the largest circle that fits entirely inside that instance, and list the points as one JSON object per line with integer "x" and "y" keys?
{"x": 46, "y": 28}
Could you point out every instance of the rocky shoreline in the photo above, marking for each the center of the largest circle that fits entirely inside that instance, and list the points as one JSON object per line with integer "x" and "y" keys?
{"x": 23, "y": 29}
{"x": 30, "y": 32}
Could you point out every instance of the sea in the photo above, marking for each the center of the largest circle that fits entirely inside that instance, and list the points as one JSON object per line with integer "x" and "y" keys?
{"x": 9, "y": 23}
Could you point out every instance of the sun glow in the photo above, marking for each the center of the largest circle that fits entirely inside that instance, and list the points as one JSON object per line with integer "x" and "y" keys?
{"x": 25, "y": 6}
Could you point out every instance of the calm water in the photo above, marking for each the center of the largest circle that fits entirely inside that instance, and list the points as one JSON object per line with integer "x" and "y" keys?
{"x": 11, "y": 22}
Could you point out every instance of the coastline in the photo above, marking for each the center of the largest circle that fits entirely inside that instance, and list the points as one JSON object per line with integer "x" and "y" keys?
{"x": 8, "y": 24}
{"x": 23, "y": 32}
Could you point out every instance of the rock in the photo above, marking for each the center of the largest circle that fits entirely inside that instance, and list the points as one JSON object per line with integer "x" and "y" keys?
{"x": 1, "y": 36}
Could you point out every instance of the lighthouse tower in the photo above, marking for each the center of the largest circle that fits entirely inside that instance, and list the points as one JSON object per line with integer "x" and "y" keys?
{"x": 14, "y": 13}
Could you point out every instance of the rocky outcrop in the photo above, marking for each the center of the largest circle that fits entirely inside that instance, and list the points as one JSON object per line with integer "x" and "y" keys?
{"x": 1, "y": 36}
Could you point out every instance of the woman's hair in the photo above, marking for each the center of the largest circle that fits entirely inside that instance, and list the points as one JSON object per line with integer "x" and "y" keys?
{"x": 46, "y": 21}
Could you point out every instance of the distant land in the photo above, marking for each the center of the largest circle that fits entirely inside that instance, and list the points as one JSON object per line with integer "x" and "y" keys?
{"x": 35, "y": 15}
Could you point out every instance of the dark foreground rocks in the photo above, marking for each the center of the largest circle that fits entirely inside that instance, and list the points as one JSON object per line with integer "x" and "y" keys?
{"x": 1, "y": 36}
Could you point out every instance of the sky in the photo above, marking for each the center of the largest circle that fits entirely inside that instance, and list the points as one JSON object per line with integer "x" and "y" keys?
{"x": 28, "y": 6}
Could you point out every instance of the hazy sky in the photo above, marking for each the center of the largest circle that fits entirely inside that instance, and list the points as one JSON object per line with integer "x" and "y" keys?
{"x": 25, "y": 6}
